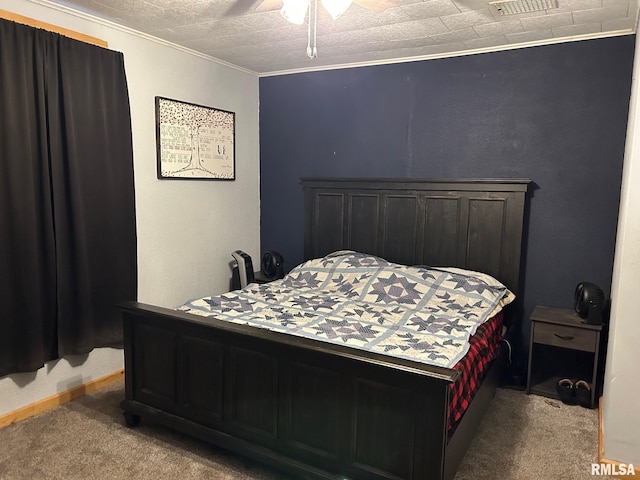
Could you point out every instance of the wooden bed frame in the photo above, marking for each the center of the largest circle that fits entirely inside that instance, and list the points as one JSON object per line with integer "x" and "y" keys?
{"x": 320, "y": 410}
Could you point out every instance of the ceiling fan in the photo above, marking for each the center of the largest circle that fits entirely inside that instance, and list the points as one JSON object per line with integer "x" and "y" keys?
{"x": 240, "y": 7}
{"x": 296, "y": 11}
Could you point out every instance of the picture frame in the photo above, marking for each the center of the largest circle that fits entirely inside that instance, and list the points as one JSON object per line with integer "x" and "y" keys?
{"x": 194, "y": 142}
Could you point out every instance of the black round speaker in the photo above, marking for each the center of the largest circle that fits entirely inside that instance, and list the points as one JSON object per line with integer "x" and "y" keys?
{"x": 589, "y": 302}
{"x": 272, "y": 265}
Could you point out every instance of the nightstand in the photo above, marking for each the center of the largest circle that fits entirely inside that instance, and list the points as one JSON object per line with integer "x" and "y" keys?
{"x": 260, "y": 278}
{"x": 562, "y": 346}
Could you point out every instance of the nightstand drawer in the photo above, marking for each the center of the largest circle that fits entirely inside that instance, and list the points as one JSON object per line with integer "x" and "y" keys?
{"x": 565, "y": 337}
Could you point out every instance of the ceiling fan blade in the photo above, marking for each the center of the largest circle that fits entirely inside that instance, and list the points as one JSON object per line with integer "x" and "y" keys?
{"x": 376, "y": 5}
{"x": 269, "y": 5}
{"x": 240, "y": 7}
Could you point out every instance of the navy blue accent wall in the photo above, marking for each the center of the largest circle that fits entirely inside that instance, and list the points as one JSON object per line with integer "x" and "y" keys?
{"x": 556, "y": 114}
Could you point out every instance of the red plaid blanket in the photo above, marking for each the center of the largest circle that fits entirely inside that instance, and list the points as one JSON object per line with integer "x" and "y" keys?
{"x": 484, "y": 347}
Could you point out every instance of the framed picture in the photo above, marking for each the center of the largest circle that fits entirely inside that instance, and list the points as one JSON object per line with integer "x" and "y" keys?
{"x": 194, "y": 142}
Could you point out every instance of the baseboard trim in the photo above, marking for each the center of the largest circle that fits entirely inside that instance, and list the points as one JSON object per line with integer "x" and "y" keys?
{"x": 60, "y": 398}
{"x": 601, "y": 459}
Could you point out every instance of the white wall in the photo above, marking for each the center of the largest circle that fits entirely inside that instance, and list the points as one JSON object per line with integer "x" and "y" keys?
{"x": 186, "y": 229}
{"x": 621, "y": 412}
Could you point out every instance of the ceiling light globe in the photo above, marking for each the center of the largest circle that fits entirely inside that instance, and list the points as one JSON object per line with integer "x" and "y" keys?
{"x": 295, "y": 11}
{"x": 336, "y": 7}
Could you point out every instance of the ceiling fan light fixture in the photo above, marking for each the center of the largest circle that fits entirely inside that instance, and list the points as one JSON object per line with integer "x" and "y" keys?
{"x": 336, "y": 7}
{"x": 294, "y": 11}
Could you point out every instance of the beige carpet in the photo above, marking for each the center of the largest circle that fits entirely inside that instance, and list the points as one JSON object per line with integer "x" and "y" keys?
{"x": 522, "y": 437}
{"x": 527, "y": 437}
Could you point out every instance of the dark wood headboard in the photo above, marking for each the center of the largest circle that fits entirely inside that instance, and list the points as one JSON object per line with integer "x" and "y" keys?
{"x": 468, "y": 223}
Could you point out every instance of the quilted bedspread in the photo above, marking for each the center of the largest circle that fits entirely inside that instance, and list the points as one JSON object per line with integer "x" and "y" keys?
{"x": 349, "y": 298}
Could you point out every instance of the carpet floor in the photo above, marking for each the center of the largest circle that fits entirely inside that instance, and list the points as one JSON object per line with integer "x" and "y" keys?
{"x": 522, "y": 437}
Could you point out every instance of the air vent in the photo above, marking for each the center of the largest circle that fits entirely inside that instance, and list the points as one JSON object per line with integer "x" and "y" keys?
{"x": 514, "y": 7}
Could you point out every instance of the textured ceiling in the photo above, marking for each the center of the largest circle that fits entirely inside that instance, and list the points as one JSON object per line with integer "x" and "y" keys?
{"x": 265, "y": 43}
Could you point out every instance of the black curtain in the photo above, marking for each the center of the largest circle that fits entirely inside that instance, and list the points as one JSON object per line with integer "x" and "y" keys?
{"x": 67, "y": 211}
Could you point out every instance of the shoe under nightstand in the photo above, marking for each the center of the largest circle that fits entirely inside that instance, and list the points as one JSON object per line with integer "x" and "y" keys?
{"x": 562, "y": 346}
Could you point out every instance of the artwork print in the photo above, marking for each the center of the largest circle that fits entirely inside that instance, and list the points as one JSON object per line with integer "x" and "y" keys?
{"x": 194, "y": 142}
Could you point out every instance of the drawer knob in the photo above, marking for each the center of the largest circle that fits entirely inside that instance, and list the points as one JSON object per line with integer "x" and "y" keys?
{"x": 564, "y": 337}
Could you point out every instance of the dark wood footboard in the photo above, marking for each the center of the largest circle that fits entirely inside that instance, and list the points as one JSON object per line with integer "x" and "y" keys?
{"x": 310, "y": 408}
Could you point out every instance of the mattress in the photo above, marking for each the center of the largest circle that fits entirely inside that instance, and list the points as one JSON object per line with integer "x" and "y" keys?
{"x": 419, "y": 313}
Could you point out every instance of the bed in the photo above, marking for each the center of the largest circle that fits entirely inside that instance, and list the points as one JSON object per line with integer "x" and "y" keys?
{"x": 316, "y": 409}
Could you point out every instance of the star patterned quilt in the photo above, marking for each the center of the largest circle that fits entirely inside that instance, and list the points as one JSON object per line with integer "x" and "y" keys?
{"x": 349, "y": 298}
